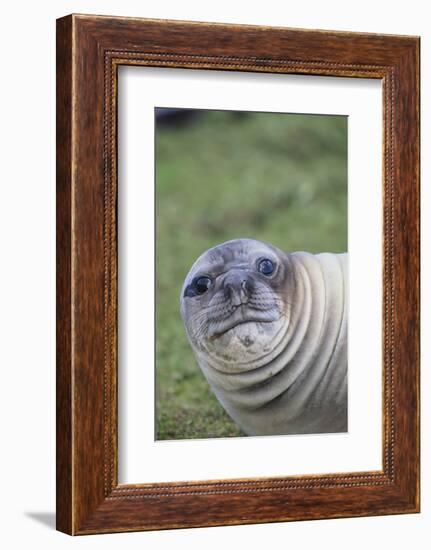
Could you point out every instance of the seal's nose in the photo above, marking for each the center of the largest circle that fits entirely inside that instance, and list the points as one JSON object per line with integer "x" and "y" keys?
{"x": 237, "y": 288}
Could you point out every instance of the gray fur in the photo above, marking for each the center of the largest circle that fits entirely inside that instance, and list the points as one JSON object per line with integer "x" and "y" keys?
{"x": 273, "y": 348}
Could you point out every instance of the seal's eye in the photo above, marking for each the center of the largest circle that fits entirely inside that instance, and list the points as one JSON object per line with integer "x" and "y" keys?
{"x": 266, "y": 267}
{"x": 202, "y": 284}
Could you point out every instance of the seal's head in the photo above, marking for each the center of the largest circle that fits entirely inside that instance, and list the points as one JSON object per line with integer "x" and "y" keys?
{"x": 234, "y": 304}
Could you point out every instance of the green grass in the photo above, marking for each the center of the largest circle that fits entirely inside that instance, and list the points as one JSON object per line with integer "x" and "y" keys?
{"x": 277, "y": 178}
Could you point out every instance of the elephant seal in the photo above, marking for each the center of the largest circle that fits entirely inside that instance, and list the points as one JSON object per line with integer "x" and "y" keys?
{"x": 269, "y": 331}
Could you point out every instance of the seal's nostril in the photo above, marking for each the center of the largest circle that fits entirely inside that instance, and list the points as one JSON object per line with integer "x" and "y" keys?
{"x": 234, "y": 293}
{"x": 245, "y": 291}
{"x": 237, "y": 288}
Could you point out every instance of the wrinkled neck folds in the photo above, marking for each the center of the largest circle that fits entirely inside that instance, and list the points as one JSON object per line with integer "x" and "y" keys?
{"x": 309, "y": 339}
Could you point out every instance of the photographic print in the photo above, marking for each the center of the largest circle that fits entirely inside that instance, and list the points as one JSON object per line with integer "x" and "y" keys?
{"x": 251, "y": 273}
{"x": 202, "y": 370}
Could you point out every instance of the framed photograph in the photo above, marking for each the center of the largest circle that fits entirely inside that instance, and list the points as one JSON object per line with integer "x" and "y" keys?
{"x": 237, "y": 274}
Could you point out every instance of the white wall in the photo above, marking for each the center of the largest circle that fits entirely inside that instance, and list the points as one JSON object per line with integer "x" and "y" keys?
{"x": 27, "y": 240}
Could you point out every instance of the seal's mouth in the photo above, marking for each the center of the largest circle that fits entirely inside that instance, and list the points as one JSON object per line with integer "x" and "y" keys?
{"x": 242, "y": 314}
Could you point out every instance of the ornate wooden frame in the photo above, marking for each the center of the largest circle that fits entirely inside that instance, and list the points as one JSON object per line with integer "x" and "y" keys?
{"x": 89, "y": 51}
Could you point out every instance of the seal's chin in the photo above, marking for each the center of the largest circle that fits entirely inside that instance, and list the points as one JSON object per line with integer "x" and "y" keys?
{"x": 243, "y": 344}
{"x": 242, "y": 315}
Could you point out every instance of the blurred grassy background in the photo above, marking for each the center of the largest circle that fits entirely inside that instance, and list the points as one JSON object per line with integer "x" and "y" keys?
{"x": 220, "y": 175}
